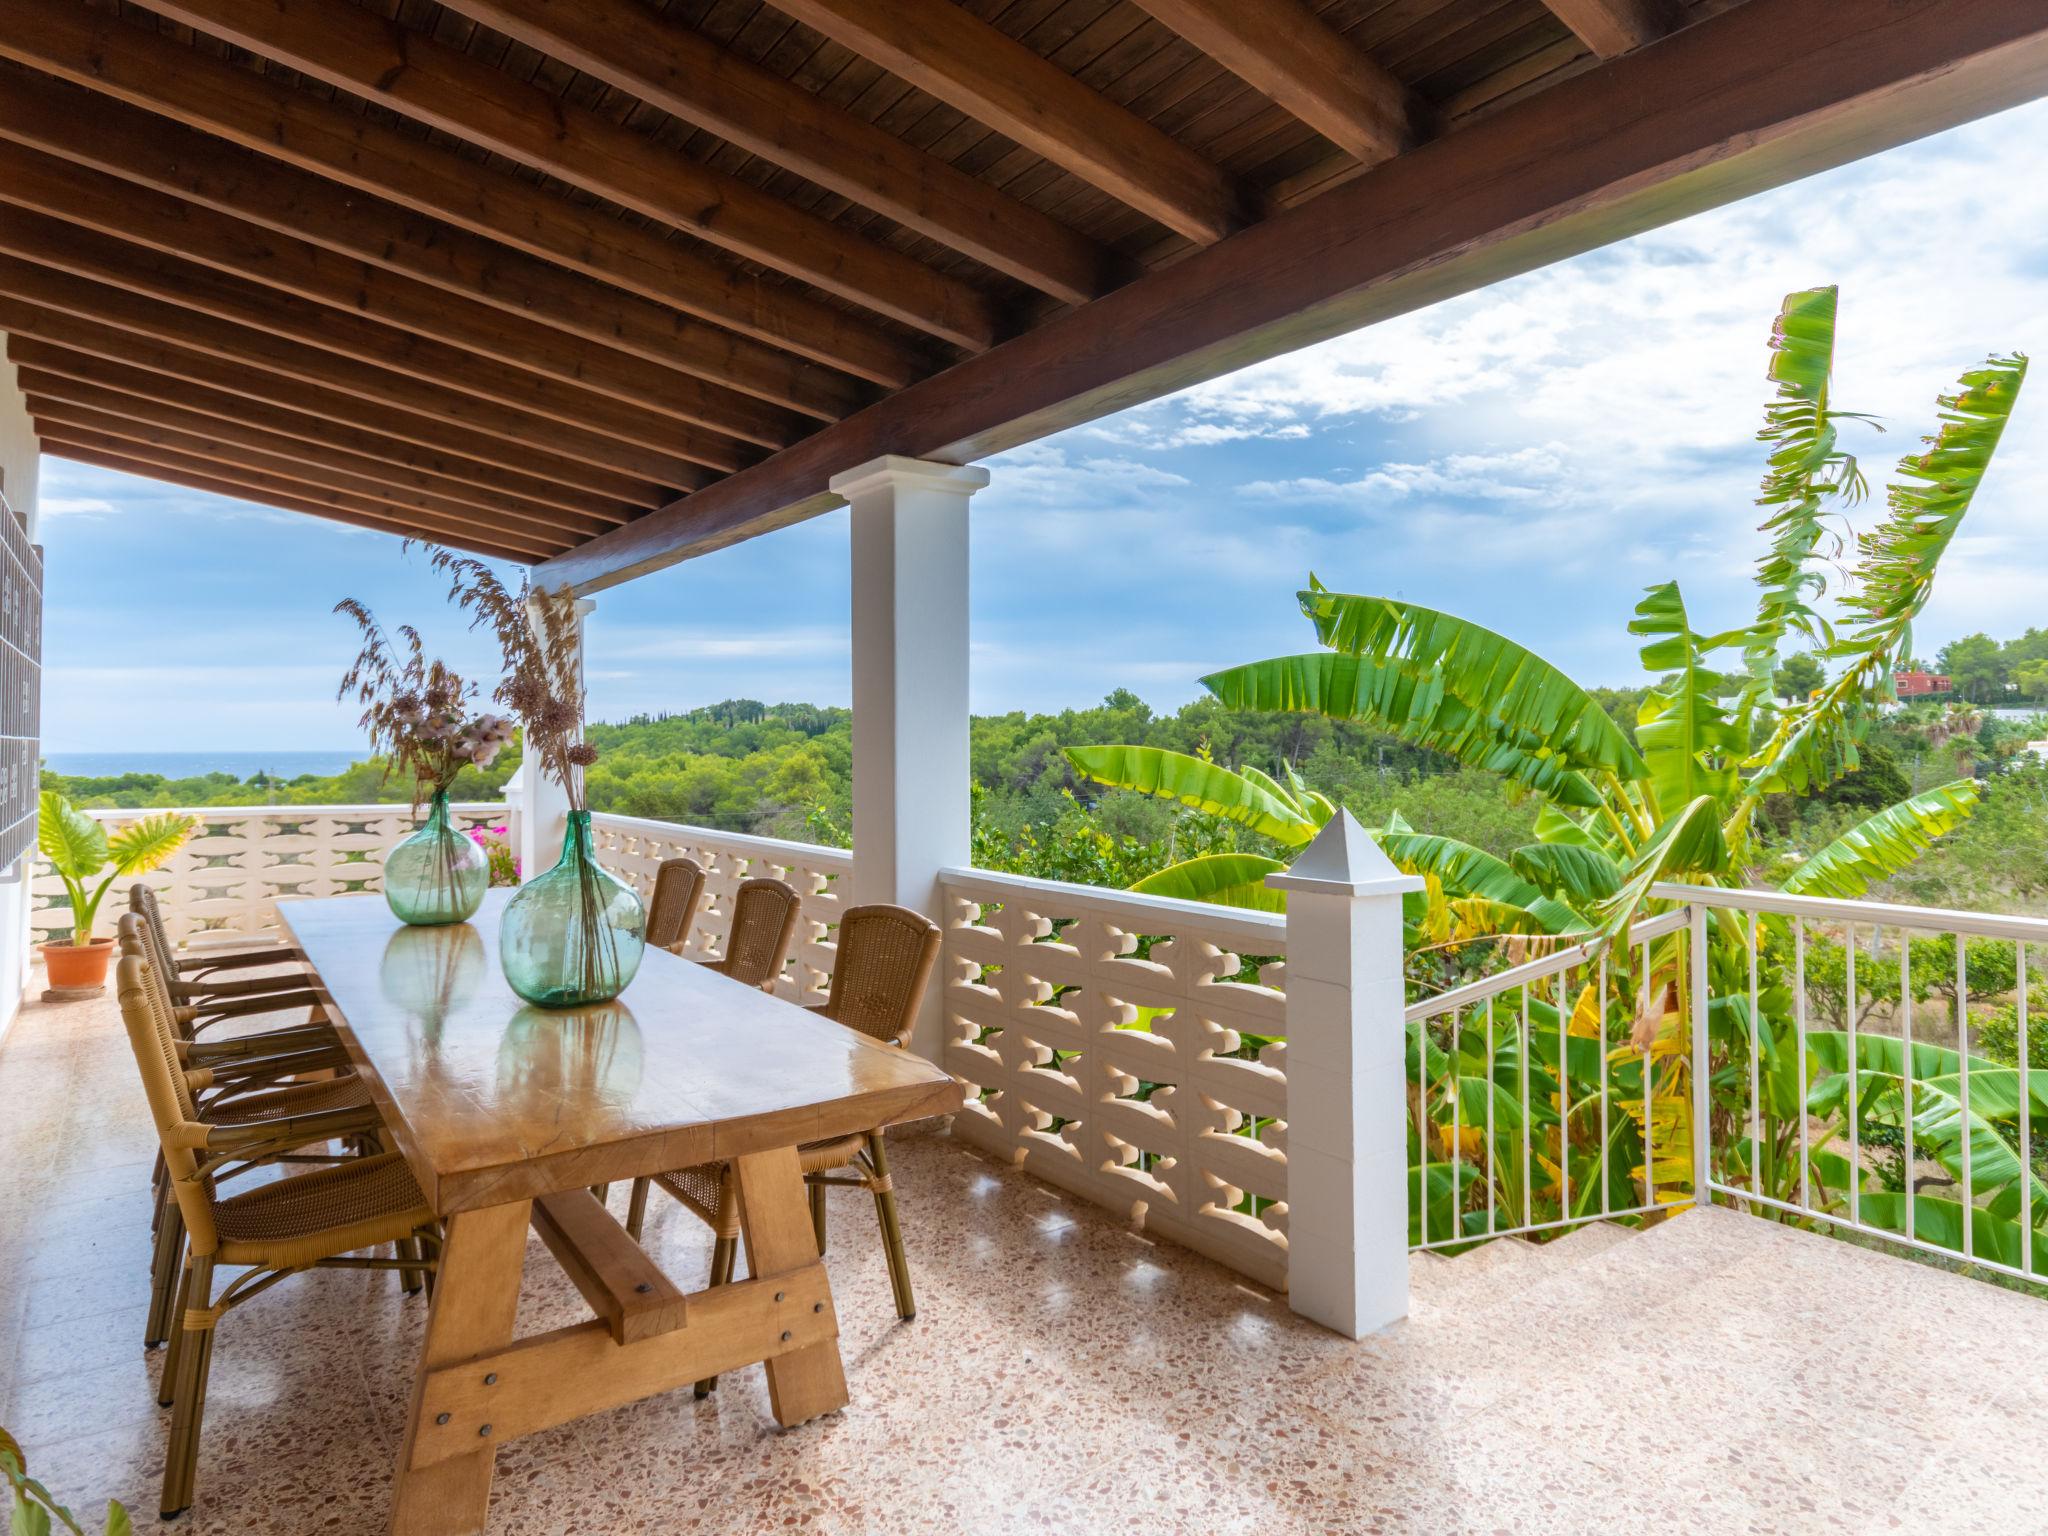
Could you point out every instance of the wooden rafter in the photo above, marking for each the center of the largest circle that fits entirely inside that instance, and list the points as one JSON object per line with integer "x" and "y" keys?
{"x": 244, "y": 486}
{"x": 1611, "y": 27}
{"x": 53, "y": 397}
{"x": 357, "y": 51}
{"x": 687, "y": 74}
{"x": 959, "y": 58}
{"x": 1286, "y": 51}
{"x": 123, "y": 60}
{"x": 607, "y": 431}
{"x": 89, "y": 355}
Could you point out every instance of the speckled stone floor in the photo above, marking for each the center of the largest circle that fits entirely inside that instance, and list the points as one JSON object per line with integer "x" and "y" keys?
{"x": 1064, "y": 1375}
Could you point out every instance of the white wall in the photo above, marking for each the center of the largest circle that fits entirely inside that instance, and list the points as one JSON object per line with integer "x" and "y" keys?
{"x": 18, "y": 472}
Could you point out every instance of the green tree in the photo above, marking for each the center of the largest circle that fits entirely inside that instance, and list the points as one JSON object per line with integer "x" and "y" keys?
{"x": 1799, "y": 676}
{"x": 1977, "y": 667}
{"x": 2032, "y": 677}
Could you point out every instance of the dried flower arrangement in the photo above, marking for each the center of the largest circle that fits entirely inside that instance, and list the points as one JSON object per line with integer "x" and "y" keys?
{"x": 417, "y": 711}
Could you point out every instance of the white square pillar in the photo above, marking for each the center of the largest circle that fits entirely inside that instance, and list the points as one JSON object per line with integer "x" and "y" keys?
{"x": 1347, "y": 1158}
{"x": 911, "y": 793}
{"x": 542, "y": 805}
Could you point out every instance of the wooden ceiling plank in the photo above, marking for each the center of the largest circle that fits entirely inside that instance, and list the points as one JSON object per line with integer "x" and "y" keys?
{"x": 242, "y": 485}
{"x": 690, "y": 76}
{"x": 355, "y": 50}
{"x": 104, "y": 410}
{"x": 137, "y": 215}
{"x": 298, "y": 127}
{"x": 1000, "y": 82}
{"x": 263, "y": 349}
{"x": 1613, "y": 27}
{"x": 1754, "y": 97}
{"x": 1284, "y": 50}
{"x": 136, "y": 366}
{"x": 609, "y": 431}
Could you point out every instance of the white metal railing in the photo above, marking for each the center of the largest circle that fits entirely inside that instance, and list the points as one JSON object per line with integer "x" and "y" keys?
{"x": 1109, "y": 1049}
{"x": 1879, "y": 1115}
{"x": 632, "y": 847}
{"x": 1503, "y": 1109}
{"x": 224, "y": 883}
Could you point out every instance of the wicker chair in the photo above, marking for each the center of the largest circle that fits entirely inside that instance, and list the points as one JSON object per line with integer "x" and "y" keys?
{"x": 678, "y": 893}
{"x": 204, "y": 968}
{"x": 271, "y": 1231}
{"x": 885, "y": 960}
{"x": 764, "y": 917}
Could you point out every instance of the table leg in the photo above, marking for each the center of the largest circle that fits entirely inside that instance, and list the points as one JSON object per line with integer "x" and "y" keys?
{"x": 476, "y": 1301}
{"x": 775, "y": 1218}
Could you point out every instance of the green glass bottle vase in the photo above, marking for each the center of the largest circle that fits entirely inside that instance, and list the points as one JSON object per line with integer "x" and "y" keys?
{"x": 575, "y": 934}
{"x": 438, "y": 875}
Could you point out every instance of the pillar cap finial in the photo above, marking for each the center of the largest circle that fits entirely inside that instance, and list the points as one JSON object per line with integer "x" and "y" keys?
{"x": 893, "y": 469}
{"x": 1344, "y": 861}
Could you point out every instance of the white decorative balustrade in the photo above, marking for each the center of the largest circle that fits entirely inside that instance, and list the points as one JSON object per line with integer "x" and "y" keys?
{"x": 632, "y": 847}
{"x": 1109, "y": 1049}
{"x": 223, "y": 885}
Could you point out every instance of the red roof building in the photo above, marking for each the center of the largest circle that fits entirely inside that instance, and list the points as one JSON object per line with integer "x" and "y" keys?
{"x": 1922, "y": 685}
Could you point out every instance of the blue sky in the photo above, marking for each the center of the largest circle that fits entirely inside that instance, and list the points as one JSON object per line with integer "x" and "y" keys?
{"x": 1530, "y": 456}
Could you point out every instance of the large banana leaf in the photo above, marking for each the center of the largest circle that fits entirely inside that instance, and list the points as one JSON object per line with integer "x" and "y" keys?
{"x": 1940, "y": 1222}
{"x": 1581, "y": 877}
{"x": 1523, "y": 693}
{"x": 148, "y": 844}
{"x": 1463, "y": 869}
{"x": 1688, "y": 843}
{"x": 1690, "y": 742}
{"x": 1882, "y": 845}
{"x": 1195, "y": 782}
{"x": 73, "y": 842}
{"x": 1223, "y": 879}
{"x": 1420, "y": 709}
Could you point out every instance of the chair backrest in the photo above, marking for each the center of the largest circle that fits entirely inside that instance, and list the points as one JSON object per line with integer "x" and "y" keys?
{"x": 764, "y": 914}
{"x": 678, "y": 892}
{"x": 146, "y": 1012}
{"x": 143, "y": 903}
{"x": 886, "y": 955}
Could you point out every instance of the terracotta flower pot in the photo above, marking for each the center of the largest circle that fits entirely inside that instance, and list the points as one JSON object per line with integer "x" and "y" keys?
{"x": 76, "y": 970}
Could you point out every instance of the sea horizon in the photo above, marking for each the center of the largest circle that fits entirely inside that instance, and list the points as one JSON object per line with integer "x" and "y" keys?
{"x": 288, "y": 763}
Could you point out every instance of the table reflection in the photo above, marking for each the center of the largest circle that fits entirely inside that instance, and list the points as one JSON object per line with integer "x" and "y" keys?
{"x": 589, "y": 1058}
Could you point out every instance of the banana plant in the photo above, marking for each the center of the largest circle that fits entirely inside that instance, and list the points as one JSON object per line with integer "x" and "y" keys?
{"x": 78, "y": 848}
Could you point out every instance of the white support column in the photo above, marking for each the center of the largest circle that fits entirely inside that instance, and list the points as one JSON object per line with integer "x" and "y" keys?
{"x": 911, "y": 797}
{"x": 542, "y": 806}
{"x": 1347, "y": 1163}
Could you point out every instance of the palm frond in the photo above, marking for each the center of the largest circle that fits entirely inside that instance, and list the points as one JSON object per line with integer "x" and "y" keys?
{"x": 1883, "y": 844}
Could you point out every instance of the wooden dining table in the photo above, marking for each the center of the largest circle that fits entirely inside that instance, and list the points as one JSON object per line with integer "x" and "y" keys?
{"x": 510, "y": 1115}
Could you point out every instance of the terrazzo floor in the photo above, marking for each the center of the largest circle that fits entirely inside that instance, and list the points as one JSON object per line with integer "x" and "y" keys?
{"x": 1064, "y": 1375}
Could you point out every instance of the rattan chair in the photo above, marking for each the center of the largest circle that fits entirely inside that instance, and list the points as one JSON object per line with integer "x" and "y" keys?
{"x": 678, "y": 893}
{"x": 764, "y": 918}
{"x": 269, "y": 1232}
{"x": 884, "y": 963}
{"x": 204, "y": 968}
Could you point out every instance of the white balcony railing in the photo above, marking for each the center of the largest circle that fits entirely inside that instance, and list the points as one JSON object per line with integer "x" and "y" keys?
{"x": 632, "y": 847}
{"x": 223, "y": 885}
{"x": 1110, "y": 1049}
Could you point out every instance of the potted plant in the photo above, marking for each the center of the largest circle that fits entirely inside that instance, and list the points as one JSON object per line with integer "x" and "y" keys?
{"x": 420, "y": 719}
{"x": 573, "y": 935}
{"x": 78, "y": 848}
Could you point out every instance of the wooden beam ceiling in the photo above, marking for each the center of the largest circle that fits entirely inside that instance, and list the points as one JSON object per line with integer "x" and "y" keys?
{"x": 1288, "y": 52}
{"x": 128, "y": 63}
{"x": 1759, "y": 95}
{"x": 357, "y": 51}
{"x": 687, "y": 74}
{"x": 1612, "y": 27}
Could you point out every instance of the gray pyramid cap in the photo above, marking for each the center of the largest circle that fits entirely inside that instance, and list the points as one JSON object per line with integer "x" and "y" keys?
{"x": 1344, "y": 861}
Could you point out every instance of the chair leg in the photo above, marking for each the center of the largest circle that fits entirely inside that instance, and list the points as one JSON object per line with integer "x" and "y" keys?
{"x": 892, "y": 1230}
{"x": 723, "y": 1253}
{"x": 195, "y": 1361}
{"x": 603, "y": 1192}
{"x": 174, "y": 1357}
{"x": 817, "y": 1194}
{"x": 165, "y": 1266}
{"x": 636, "y": 1208}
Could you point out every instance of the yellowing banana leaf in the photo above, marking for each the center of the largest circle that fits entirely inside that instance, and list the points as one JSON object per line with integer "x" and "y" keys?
{"x": 1883, "y": 844}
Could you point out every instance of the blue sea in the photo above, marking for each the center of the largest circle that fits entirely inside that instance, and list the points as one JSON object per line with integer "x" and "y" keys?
{"x": 187, "y": 765}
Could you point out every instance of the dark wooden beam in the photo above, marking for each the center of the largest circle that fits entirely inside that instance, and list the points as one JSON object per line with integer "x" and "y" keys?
{"x": 186, "y": 300}
{"x": 130, "y": 62}
{"x": 689, "y": 75}
{"x": 194, "y": 168}
{"x": 1612, "y": 27}
{"x": 160, "y": 426}
{"x": 280, "y": 494}
{"x": 1288, "y": 53}
{"x": 62, "y": 374}
{"x": 660, "y": 407}
{"x": 358, "y": 51}
{"x": 1755, "y": 97}
{"x": 959, "y": 58}
{"x": 89, "y": 316}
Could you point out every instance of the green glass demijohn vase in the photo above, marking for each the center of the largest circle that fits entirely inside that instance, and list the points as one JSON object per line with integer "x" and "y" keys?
{"x": 575, "y": 934}
{"x": 438, "y": 875}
